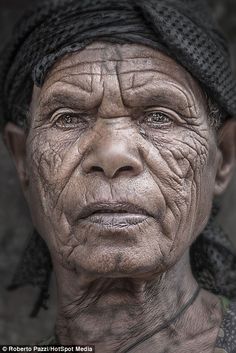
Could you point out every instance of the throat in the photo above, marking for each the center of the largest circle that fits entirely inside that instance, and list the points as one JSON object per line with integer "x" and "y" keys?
{"x": 120, "y": 314}
{"x": 119, "y": 292}
{"x": 105, "y": 319}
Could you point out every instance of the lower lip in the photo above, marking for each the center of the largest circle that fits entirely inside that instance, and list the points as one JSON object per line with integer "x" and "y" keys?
{"x": 120, "y": 220}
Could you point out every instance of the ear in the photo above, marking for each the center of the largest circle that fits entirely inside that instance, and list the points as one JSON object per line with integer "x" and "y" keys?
{"x": 227, "y": 149}
{"x": 15, "y": 140}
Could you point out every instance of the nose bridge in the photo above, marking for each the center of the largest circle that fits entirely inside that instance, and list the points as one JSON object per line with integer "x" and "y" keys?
{"x": 113, "y": 151}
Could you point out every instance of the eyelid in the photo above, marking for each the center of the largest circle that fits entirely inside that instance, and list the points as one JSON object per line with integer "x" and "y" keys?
{"x": 59, "y": 112}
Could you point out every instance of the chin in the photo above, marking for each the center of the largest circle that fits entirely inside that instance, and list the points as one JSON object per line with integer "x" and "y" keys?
{"x": 114, "y": 261}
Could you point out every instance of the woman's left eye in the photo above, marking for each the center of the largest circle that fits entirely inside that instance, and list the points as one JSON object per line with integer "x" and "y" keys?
{"x": 157, "y": 119}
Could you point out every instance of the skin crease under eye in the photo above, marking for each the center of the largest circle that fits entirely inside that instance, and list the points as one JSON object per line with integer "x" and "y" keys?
{"x": 118, "y": 276}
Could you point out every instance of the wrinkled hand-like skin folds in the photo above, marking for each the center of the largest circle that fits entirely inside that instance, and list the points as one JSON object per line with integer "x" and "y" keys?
{"x": 124, "y": 123}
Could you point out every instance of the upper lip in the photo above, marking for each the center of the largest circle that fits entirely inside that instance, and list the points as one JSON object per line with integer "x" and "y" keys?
{"x": 113, "y": 207}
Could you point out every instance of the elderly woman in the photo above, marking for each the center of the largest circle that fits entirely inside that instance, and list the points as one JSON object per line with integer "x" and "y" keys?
{"x": 119, "y": 117}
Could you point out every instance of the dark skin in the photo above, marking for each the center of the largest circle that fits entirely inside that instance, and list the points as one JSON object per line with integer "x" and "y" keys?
{"x": 119, "y": 168}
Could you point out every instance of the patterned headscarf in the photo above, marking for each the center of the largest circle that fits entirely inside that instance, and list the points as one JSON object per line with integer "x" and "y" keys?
{"x": 184, "y": 29}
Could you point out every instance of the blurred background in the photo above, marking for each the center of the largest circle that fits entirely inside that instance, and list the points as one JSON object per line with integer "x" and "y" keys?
{"x": 15, "y": 226}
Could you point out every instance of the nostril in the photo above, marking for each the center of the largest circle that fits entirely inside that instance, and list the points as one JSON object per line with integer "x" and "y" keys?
{"x": 123, "y": 169}
{"x": 126, "y": 168}
{"x": 96, "y": 169}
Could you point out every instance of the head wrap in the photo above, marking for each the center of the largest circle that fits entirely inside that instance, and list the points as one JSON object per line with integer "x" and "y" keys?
{"x": 184, "y": 29}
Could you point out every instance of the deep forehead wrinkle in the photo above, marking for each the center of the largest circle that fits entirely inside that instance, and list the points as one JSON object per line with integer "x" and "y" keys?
{"x": 114, "y": 70}
{"x": 170, "y": 96}
{"x": 134, "y": 82}
{"x": 125, "y": 66}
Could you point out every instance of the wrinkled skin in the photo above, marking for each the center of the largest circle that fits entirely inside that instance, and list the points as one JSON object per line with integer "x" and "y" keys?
{"x": 124, "y": 123}
{"x": 172, "y": 164}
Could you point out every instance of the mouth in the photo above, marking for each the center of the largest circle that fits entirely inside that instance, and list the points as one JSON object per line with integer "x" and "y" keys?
{"x": 113, "y": 214}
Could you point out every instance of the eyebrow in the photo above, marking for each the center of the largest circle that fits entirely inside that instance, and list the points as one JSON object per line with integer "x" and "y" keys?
{"x": 167, "y": 95}
{"x": 61, "y": 97}
{"x": 58, "y": 98}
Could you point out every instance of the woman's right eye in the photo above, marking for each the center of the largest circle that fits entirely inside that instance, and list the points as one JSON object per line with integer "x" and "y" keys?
{"x": 69, "y": 120}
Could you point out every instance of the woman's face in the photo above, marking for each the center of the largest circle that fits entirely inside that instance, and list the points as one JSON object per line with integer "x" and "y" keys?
{"x": 121, "y": 161}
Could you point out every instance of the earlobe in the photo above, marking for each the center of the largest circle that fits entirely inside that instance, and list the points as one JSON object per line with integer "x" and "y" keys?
{"x": 15, "y": 140}
{"x": 227, "y": 160}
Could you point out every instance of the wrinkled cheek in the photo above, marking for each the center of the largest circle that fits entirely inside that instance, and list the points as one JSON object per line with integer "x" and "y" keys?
{"x": 176, "y": 191}
{"x": 191, "y": 209}
{"x": 177, "y": 171}
{"x": 44, "y": 191}
{"x": 53, "y": 160}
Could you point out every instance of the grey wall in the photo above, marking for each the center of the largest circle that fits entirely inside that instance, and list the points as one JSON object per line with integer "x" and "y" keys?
{"x": 15, "y": 226}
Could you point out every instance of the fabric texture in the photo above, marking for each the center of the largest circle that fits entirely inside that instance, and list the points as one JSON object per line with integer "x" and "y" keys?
{"x": 226, "y": 340}
{"x": 213, "y": 260}
{"x": 184, "y": 29}
{"x": 34, "y": 269}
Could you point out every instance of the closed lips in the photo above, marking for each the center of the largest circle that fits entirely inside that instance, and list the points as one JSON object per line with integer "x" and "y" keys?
{"x": 112, "y": 208}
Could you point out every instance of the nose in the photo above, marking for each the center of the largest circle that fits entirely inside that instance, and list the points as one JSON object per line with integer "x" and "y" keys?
{"x": 113, "y": 159}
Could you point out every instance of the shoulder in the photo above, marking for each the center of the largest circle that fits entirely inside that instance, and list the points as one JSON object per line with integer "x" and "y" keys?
{"x": 226, "y": 340}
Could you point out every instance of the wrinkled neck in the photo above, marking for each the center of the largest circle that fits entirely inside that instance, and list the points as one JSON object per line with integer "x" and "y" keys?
{"x": 114, "y": 313}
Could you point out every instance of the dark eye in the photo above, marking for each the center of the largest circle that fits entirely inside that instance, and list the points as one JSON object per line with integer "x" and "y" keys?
{"x": 157, "y": 119}
{"x": 69, "y": 120}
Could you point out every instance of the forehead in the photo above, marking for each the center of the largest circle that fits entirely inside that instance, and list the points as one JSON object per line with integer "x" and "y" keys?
{"x": 118, "y": 75}
{"x": 108, "y": 59}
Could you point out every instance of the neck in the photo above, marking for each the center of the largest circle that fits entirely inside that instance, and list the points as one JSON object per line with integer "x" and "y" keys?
{"x": 114, "y": 313}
